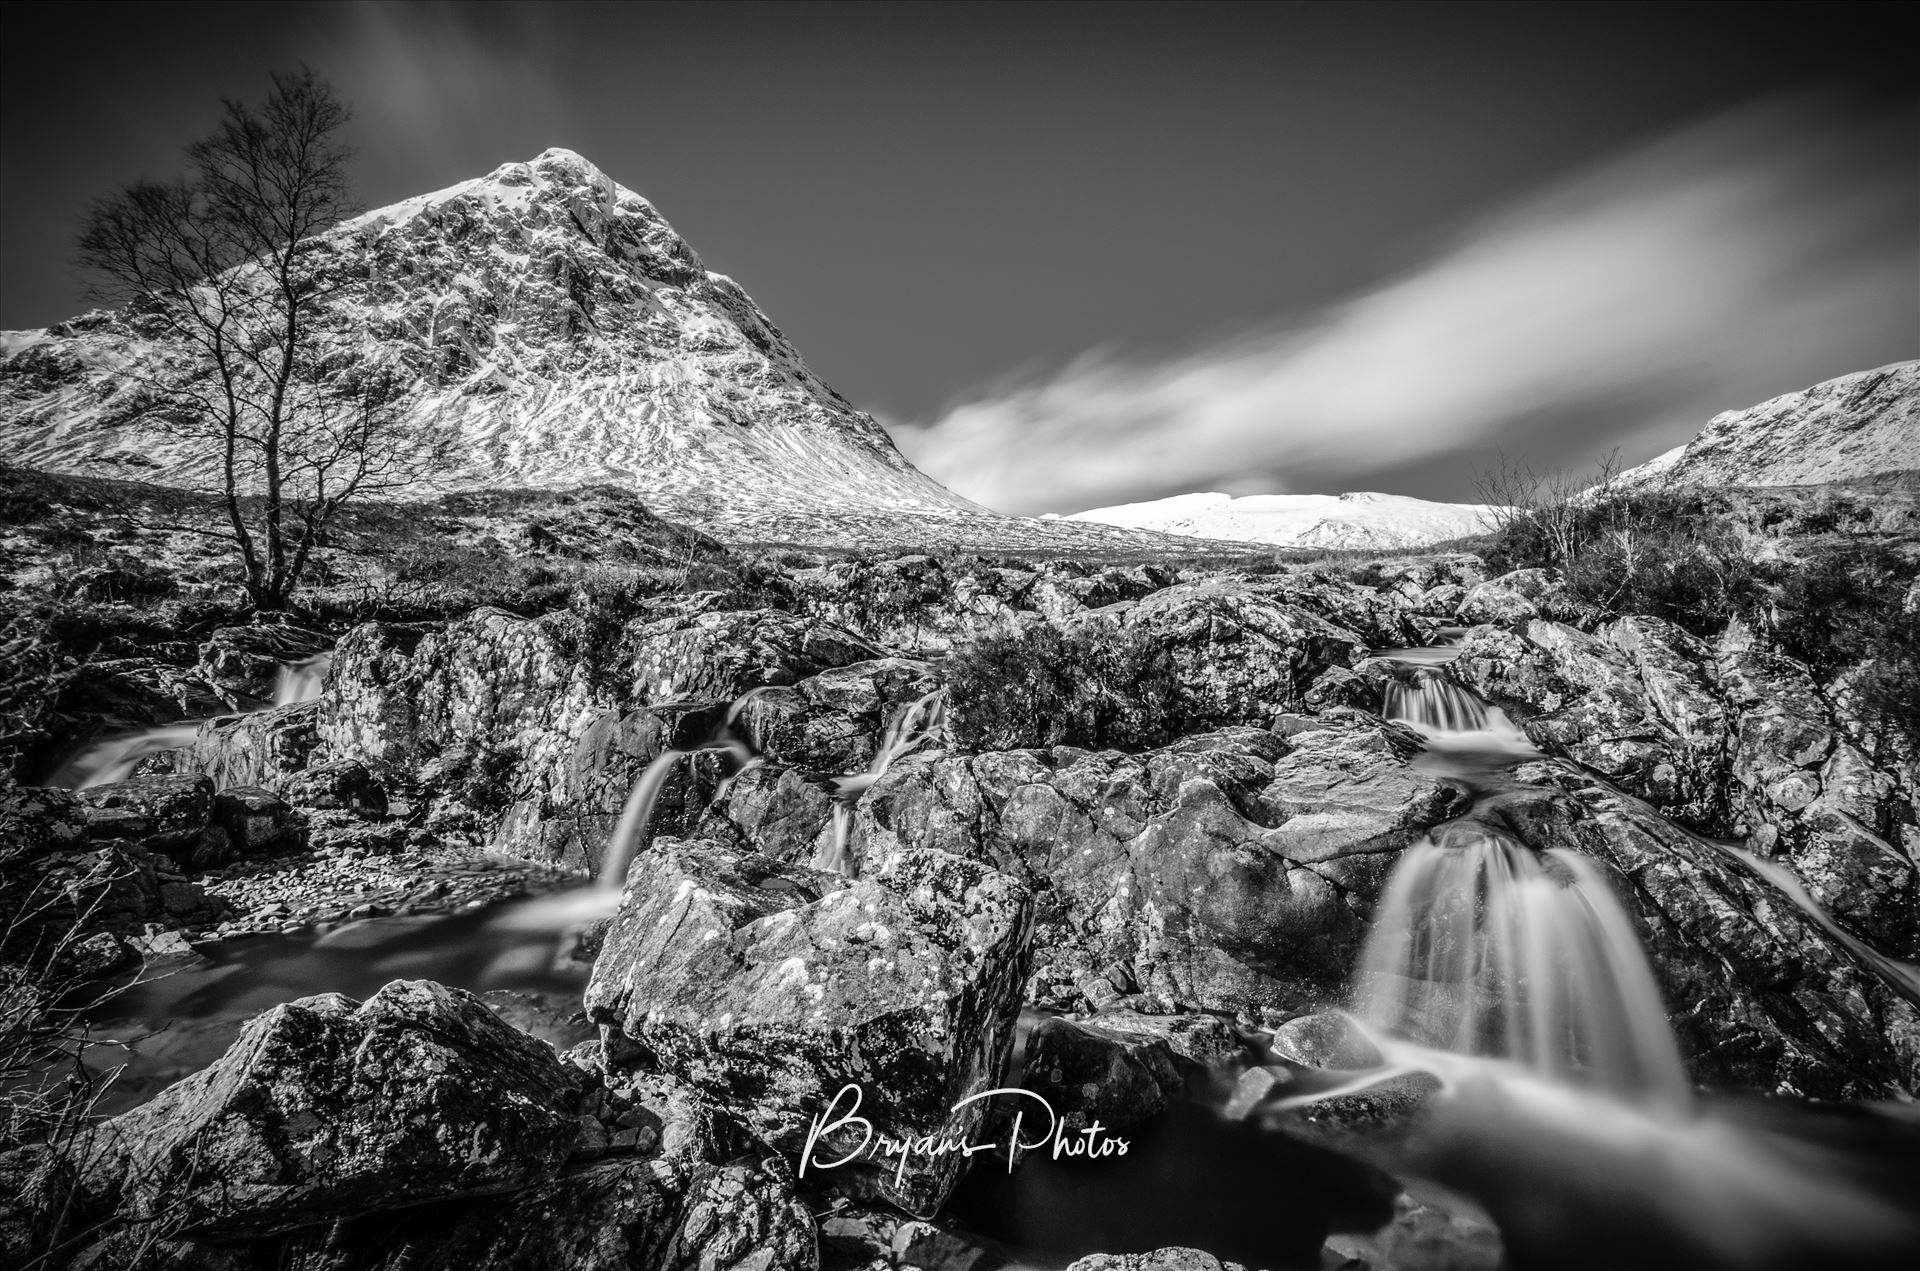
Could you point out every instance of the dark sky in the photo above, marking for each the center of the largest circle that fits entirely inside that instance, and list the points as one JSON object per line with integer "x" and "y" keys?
{"x": 1079, "y": 254}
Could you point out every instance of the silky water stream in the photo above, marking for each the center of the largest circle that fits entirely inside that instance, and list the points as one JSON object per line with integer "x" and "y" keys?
{"x": 1508, "y": 982}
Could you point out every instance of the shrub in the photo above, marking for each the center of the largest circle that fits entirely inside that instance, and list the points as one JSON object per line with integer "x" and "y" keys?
{"x": 1098, "y": 685}
{"x": 1841, "y": 605}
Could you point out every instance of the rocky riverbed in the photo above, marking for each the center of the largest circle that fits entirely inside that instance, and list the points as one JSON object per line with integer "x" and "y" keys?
{"x": 1183, "y": 903}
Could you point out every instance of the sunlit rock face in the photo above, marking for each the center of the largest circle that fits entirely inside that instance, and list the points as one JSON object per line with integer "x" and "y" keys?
{"x": 772, "y": 987}
{"x": 1731, "y": 740}
{"x": 1859, "y": 425}
{"x": 1231, "y": 870}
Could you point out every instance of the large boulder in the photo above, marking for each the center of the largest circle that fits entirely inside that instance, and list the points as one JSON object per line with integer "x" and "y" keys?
{"x": 1091, "y": 1076}
{"x": 1240, "y": 656}
{"x": 326, "y": 1109}
{"x": 720, "y": 655}
{"x": 260, "y": 748}
{"x": 1231, "y": 870}
{"x": 774, "y": 988}
{"x": 681, "y": 1187}
{"x": 155, "y": 812}
{"x": 833, "y": 721}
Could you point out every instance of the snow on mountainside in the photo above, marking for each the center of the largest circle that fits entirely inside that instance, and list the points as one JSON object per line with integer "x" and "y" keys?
{"x": 1301, "y": 520}
{"x": 553, "y": 331}
{"x": 1861, "y": 425}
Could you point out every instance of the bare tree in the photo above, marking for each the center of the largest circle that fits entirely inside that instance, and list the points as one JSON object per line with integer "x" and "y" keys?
{"x": 229, "y": 261}
{"x": 1554, "y": 506}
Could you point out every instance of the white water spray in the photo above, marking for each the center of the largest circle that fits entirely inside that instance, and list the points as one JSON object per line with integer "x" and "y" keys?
{"x": 1482, "y": 946}
{"x": 301, "y": 681}
{"x": 1434, "y": 703}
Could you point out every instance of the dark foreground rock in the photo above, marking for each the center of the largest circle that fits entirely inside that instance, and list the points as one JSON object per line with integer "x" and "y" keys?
{"x": 676, "y": 1186}
{"x": 413, "y": 1131}
{"x": 774, "y": 988}
{"x": 326, "y": 1109}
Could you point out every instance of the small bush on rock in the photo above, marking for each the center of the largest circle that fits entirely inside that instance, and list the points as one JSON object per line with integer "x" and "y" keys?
{"x": 1098, "y": 685}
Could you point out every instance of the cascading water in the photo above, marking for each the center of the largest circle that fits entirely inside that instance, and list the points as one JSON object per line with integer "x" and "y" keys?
{"x": 116, "y": 758}
{"x": 629, "y": 832}
{"x": 1482, "y": 946}
{"x": 919, "y": 723}
{"x": 1434, "y": 702}
{"x": 301, "y": 681}
{"x": 1517, "y": 979}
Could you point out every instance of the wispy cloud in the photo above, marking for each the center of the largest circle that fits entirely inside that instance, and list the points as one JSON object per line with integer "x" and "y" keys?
{"x": 430, "y": 80}
{"x": 1739, "y": 258}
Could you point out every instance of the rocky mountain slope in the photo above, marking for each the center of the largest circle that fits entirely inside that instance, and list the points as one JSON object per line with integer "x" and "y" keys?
{"x": 1337, "y": 521}
{"x": 552, "y": 331}
{"x": 1862, "y": 425}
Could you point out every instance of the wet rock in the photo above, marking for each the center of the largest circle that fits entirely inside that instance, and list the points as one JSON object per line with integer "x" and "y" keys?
{"x": 1088, "y": 1074}
{"x": 247, "y": 660}
{"x": 326, "y": 1108}
{"x": 1228, "y": 870}
{"x": 771, "y": 988}
{"x": 1325, "y": 1040}
{"x": 344, "y": 784}
{"x": 260, "y": 748}
{"x": 1423, "y": 1236}
{"x": 833, "y": 721}
{"x": 1200, "y": 1041}
{"x": 1731, "y": 741}
{"x": 779, "y": 812}
{"x": 257, "y": 820}
{"x": 157, "y": 812}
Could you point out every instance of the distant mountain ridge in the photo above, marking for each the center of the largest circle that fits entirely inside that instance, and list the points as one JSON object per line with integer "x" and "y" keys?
{"x": 1334, "y": 521}
{"x": 1865, "y": 424}
{"x": 553, "y": 331}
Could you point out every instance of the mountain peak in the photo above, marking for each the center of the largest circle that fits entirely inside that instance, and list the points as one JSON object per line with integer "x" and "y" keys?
{"x": 552, "y": 330}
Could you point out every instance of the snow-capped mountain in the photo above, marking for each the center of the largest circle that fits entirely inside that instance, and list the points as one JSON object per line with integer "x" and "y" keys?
{"x": 1360, "y": 520}
{"x": 1861, "y": 425}
{"x": 552, "y": 330}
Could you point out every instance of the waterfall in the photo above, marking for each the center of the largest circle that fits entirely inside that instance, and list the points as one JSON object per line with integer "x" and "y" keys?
{"x": 1434, "y": 702}
{"x": 115, "y": 758}
{"x": 920, "y": 721}
{"x": 1483, "y": 946}
{"x": 301, "y": 681}
{"x": 630, "y": 831}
